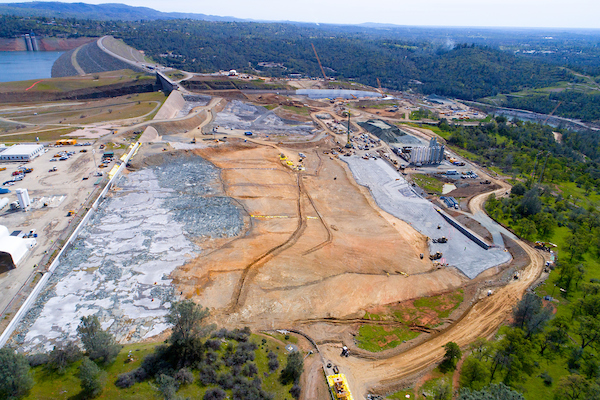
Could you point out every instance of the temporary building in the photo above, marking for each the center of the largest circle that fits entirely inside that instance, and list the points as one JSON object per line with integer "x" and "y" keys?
{"x": 12, "y": 249}
{"x": 22, "y": 152}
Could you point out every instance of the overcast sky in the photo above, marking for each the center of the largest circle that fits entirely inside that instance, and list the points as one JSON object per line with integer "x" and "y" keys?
{"x": 499, "y": 13}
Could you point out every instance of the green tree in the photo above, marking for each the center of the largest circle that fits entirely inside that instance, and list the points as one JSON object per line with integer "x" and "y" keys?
{"x": 15, "y": 379}
{"x": 492, "y": 392}
{"x": 554, "y": 338}
{"x": 185, "y": 341}
{"x": 530, "y": 203}
{"x": 473, "y": 374}
{"x": 571, "y": 387}
{"x": 293, "y": 368}
{"x": 62, "y": 356}
{"x": 481, "y": 349}
{"x": 442, "y": 390}
{"x": 99, "y": 344}
{"x": 92, "y": 378}
{"x": 513, "y": 355}
{"x": 451, "y": 357}
{"x": 588, "y": 330}
{"x": 530, "y": 315}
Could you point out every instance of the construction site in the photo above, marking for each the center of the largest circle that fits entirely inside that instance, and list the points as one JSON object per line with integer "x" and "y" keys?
{"x": 278, "y": 212}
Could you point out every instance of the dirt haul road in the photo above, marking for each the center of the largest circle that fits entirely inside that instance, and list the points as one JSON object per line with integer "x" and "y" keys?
{"x": 482, "y": 320}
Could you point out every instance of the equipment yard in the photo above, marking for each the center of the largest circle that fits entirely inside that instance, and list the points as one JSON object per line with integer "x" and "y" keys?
{"x": 274, "y": 217}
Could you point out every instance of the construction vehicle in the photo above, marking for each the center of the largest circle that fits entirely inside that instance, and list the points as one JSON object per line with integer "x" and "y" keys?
{"x": 546, "y": 246}
{"x": 345, "y": 352}
{"x": 53, "y": 169}
{"x": 2, "y": 168}
{"x": 71, "y": 212}
{"x": 440, "y": 240}
{"x": 339, "y": 387}
{"x": 435, "y": 256}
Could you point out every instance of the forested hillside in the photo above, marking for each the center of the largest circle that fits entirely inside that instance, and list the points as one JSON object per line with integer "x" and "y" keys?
{"x": 549, "y": 350}
{"x": 401, "y": 61}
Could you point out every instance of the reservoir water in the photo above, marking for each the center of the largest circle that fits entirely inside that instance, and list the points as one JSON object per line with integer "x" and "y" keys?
{"x": 25, "y": 65}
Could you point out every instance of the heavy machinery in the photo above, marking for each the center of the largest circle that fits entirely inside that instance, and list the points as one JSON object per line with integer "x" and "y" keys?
{"x": 348, "y": 144}
{"x": 547, "y": 246}
{"x": 435, "y": 256}
{"x": 440, "y": 240}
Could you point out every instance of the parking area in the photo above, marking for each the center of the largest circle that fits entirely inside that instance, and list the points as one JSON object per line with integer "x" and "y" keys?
{"x": 59, "y": 182}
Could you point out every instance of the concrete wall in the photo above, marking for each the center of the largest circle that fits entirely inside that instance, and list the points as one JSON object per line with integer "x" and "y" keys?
{"x": 167, "y": 85}
{"x": 171, "y": 107}
{"x": 465, "y": 231}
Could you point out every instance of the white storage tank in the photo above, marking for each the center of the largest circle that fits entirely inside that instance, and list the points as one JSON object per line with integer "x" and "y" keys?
{"x": 23, "y": 198}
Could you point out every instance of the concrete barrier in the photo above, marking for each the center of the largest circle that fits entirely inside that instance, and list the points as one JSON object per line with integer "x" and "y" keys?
{"x": 464, "y": 230}
{"x": 42, "y": 283}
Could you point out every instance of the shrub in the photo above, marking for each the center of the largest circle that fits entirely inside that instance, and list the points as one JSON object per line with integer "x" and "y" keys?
{"x": 213, "y": 344}
{"x": 250, "y": 370}
{"x": 207, "y": 375}
{"x": 184, "y": 376}
{"x": 211, "y": 357}
{"x": 226, "y": 381}
{"x": 214, "y": 394}
{"x": 167, "y": 385}
{"x": 125, "y": 380}
{"x": 155, "y": 363}
{"x": 273, "y": 364}
{"x": 92, "y": 378}
{"x": 295, "y": 391}
{"x": 35, "y": 360}
{"x": 546, "y": 378}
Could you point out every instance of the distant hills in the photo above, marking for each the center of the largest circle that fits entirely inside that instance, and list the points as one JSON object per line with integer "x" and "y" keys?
{"x": 105, "y": 12}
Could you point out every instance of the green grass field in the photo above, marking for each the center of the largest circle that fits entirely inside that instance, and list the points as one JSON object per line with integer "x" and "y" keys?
{"x": 428, "y": 183}
{"x": 377, "y": 338}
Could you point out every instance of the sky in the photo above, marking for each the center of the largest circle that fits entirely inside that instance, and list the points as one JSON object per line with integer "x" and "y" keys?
{"x": 493, "y": 13}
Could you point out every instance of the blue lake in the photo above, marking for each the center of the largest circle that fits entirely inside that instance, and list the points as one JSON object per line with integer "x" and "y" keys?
{"x": 25, "y": 65}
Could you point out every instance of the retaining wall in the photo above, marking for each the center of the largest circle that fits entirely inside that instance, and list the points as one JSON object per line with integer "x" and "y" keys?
{"x": 465, "y": 231}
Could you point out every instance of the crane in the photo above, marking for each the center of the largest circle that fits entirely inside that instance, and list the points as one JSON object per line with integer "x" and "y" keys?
{"x": 379, "y": 84}
{"x": 319, "y": 61}
{"x": 552, "y": 112}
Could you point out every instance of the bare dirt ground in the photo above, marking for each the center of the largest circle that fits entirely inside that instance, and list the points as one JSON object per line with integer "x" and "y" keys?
{"x": 316, "y": 246}
{"x": 481, "y": 320}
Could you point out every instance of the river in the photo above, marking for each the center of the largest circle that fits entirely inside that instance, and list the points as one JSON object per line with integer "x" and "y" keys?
{"x": 25, "y": 65}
